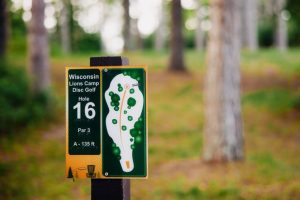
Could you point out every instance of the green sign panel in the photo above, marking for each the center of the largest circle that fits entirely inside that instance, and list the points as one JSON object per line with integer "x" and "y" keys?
{"x": 83, "y": 111}
{"x": 124, "y": 135}
{"x": 106, "y": 122}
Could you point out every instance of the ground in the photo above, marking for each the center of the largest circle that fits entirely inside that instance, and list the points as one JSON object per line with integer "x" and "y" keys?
{"x": 32, "y": 164}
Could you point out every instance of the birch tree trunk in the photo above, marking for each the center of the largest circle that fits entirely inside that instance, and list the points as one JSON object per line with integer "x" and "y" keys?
{"x": 281, "y": 27}
{"x": 223, "y": 136}
{"x": 199, "y": 33}
{"x": 126, "y": 25}
{"x": 38, "y": 48}
{"x": 3, "y": 27}
{"x": 177, "y": 43}
{"x": 249, "y": 25}
{"x": 65, "y": 27}
{"x": 161, "y": 30}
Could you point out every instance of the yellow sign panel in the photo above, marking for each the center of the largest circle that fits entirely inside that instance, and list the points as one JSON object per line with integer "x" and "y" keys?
{"x": 106, "y": 122}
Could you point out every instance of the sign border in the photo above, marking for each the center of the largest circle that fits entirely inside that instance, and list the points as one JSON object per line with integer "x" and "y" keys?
{"x": 99, "y": 156}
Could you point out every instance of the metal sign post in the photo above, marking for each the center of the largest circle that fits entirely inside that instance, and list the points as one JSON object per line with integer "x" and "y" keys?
{"x": 118, "y": 189}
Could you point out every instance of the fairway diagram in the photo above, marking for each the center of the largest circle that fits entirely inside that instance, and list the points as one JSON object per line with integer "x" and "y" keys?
{"x": 124, "y": 120}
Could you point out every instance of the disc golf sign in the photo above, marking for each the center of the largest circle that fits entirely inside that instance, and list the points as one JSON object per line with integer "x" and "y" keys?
{"x": 106, "y": 122}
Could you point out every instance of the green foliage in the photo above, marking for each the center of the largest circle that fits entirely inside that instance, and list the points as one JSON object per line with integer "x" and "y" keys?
{"x": 293, "y": 7}
{"x": 17, "y": 42}
{"x": 212, "y": 193}
{"x": 19, "y": 106}
{"x": 81, "y": 42}
{"x": 18, "y": 45}
{"x": 192, "y": 193}
{"x": 266, "y": 160}
{"x": 148, "y": 42}
{"x": 276, "y": 100}
{"x": 294, "y": 33}
{"x": 268, "y": 165}
{"x": 17, "y": 23}
{"x": 189, "y": 39}
{"x": 266, "y": 32}
{"x": 86, "y": 43}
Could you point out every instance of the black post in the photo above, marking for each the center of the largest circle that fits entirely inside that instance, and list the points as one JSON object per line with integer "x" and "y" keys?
{"x": 109, "y": 189}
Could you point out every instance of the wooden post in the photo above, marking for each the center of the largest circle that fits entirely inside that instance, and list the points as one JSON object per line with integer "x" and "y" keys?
{"x": 117, "y": 189}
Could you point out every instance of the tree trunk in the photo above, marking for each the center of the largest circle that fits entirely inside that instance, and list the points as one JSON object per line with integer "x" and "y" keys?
{"x": 281, "y": 28}
{"x": 268, "y": 7}
{"x": 65, "y": 27}
{"x": 3, "y": 27}
{"x": 105, "y": 12}
{"x": 161, "y": 29}
{"x": 126, "y": 25}
{"x": 223, "y": 137}
{"x": 177, "y": 43}
{"x": 249, "y": 30}
{"x": 199, "y": 33}
{"x": 136, "y": 40}
{"x": 38, "y": 48}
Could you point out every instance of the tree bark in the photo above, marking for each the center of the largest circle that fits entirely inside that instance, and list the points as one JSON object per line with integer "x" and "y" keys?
{"x": 104, "y": 11}
{"x": 3, "y": 27}
{"x": 65, "y": 27}
{"x": 249, "y": 25}
{"x": 199, "y": 33}
{"x": 160, "y": 32}
{"x": 177, "y": 43}
{"x": 126, "y": 26}
{"x": 281, "y": 27}
{"x": 223, "y": 136}
{"x": 38, "y": 48}
{"x": 136, "y": 40}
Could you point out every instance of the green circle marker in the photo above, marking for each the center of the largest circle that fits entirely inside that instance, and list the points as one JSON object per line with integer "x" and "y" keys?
{"x": 138, "y": 125}
{"x": 125, "y": 111}
{"x": 114, "y": 121}
{"x": 120, "y": 89}
{"x": 111, "y": 93}
{"x": 138, "y": 139}
{"x": 124, "y": 128}
{"x": 130, "y": 118}
{"x": 132, "y": 146}
{"x": 131, "y": 91}
{"x": 112, "y": 103}
{"x": 116, "y": 151}
{"x": 115, "y": 97}
{"x": 131, "y": 102}
{"x": 131, "y": 139}
{"x": 133, "y": 132}
{"x": 140, "y": 132}
{"x": 116, "y": 108}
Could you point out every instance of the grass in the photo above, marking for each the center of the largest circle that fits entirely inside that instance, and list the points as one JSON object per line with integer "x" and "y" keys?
{"x": 275, "y": 100}
{"x": 32, "y": 164}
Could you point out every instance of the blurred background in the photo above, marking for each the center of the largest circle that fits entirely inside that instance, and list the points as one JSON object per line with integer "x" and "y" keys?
{"x": 39, "y": 38}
